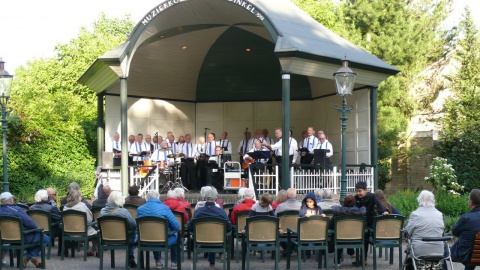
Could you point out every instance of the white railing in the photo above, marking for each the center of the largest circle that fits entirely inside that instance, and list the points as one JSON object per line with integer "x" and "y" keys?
{"x": 266, "y": 182}
{"x": 150, "y": 184}
{"x": 308, "y": 180}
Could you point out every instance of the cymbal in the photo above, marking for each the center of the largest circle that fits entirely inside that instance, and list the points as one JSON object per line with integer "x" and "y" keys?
{"x": 165, "y": 149}
{"x": 177, "y": 155}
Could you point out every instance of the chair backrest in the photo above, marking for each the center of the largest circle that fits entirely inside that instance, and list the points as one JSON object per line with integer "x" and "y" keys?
{"x": 113, "y": 228}
{"x": 475, "y": 259}
{"x": 262, "y": 229}
{"x": 42, "y": 218}
{"x": 132, "y": 209}
{"x": 328, "y": 213}
{"x": 388, "y": 227}
{"x": 209, "y": 230}
{"x": 349, "y": 227}
{"x": 179, "y": 217}
{"x": 152, "y": 229}
{"x": 74, "y": 221}
{"x": 288, "y": 219}
{"x": 241, "y": 220}
{"x": 96, "y": 212}
{"x": 227, "y": 208}
{"x": 23, "y": 206}
{"x": 11, "y": 229}
{"x": 313, "y": 228}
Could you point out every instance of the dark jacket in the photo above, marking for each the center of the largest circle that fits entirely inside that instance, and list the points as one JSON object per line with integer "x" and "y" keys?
{"x": 304, "y": 208}
{"x": 465, "y": 229}
{"x": 369, "y": 202}
{"x": 46, "y": 206}
{"x": 27, "y": 222}
{"x": 210, "y": 210}
{"x": 338, "y": 210}
{"x": 137, "y": 200}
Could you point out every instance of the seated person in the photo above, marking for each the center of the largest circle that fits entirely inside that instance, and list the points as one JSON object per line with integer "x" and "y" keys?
{"x": 281, "y": 197}
{"x": 8, "y": 208}
{"x": 154, "y": 207}
{"x": 75, "y": 202}
{"x": 309, "y": 206}
{"x": 114, "y": 207}
{"x": 102, "y": 200}
{"x": 174, "y": 204}
{"x": 466, "y": 228}
{"x": 349, "y": 208}
{"x": 244, "y": 206}
{"x": 426, "y": 221}
{"x": 133, "y": 197}
{"x": 42, "y": 202}
{"x": 210, "y": 210}
{"x": 203, "y": 191}
{"x": 71, "y": 187}
{"x": 263, "y": 207}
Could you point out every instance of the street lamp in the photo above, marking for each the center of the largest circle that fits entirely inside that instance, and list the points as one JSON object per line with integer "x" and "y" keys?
{"x": 5, "y": 87}
{"x": 344, "y": 80}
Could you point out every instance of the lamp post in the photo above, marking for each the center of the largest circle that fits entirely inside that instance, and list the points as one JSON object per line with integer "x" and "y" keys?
{"x": 344, "y": 80}
{"x": 5, "y": 87}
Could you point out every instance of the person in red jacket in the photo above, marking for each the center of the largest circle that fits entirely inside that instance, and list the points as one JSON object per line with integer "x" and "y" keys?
{"x": 244, "y": 206}
{"x": 180, "y": 194}
{"x": 175, "y": 205}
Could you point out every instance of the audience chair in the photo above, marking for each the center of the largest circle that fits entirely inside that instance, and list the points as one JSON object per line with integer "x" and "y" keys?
{"x": 43, "y": 219}
{"x": 96, "y": 212}
{"x": 23, "y": 206}
{"x": 349, "y": 232}
{"x": 387, "y": 233}
{"x": 132, "y": 209}
{"x": 12, "y": 233}
{"x": 261, "y": 235}
{"x": 75, "y": 228}
{"x": 240, "y": 224}
{"x": 183, "y": 232}
{"x": 206, "y": 241}
{"x": 287, "y": 219}
{"x": 153, "y": 236}
{"x": 311, "y": 234}
{"x": 113, "y": 234}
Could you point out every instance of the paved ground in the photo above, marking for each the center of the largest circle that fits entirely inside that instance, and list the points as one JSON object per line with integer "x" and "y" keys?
{"x": 255, "y": 262}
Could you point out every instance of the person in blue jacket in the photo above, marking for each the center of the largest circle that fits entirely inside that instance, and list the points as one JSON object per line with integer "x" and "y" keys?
{"x": 154, "y": 207}
{"x": 466, "y": 228}
{"x": 8, "y": 208}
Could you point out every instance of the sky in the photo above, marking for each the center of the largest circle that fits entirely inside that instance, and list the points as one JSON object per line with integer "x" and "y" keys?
{"x": 31, "y": 28}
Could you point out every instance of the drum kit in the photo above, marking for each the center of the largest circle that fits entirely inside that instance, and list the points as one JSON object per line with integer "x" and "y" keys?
{"x": 169, "y": 175}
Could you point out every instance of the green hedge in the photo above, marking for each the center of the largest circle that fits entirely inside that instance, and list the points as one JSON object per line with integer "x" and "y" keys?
{"x": 450, "y": 205}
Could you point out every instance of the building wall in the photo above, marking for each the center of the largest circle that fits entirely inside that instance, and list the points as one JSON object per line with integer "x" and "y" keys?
{"x": 148, "y": 116}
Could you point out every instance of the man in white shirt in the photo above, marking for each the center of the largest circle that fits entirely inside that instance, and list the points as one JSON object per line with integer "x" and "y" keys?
{"x": 225, "y": 143}
{"x": 148, "y": 141}
{"x": 139, "y": 147}
{"x": 323, "y": 143}
{"x": 310, "y": 143}
{"x": 211, "y": 144}
{"x": 188, "y": 165}
{"x": 116, "y": 146}
{"x": 171, "y": 143}
{"x": 201, "y": 162}
{"x": 293, "y": 152}
{"x": 245, "y": 145}
{"x": 266, "y": 138}
{"x": 161, "y": 154}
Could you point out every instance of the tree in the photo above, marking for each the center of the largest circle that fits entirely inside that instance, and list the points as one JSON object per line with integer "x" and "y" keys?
{"x": 52, "y": 131}
{"x": 406, "y": 34}
{"x": 460, "y": 142}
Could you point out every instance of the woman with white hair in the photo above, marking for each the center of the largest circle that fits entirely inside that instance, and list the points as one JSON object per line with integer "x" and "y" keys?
{"x": 114, "y": 207}
{"x": 426, "y": 221}
{"x": 42, "y": 202}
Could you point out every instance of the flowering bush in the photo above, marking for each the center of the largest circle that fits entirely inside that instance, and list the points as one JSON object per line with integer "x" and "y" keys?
{"x": 442, "y": 177}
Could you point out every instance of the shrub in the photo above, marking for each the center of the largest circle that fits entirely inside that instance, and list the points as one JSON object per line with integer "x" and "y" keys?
{"x": 442, "y": 177}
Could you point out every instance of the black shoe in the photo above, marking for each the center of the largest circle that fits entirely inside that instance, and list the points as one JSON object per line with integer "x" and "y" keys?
{"x": 359, "y": 263}
{"x": 131, "y": 262}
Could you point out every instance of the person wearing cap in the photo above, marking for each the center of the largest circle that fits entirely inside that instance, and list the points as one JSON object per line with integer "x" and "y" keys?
{"x": 210, "y": 210}
{"x": 8, "y": 208}
{"x": 369, "y": 201}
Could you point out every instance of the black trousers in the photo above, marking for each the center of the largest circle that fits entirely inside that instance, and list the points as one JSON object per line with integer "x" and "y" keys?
{"x": 188, "y": 170}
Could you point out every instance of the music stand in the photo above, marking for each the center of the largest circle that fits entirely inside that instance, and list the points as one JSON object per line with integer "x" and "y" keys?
{"x": 320, "y": 158}
{"x": 259, "y": 155}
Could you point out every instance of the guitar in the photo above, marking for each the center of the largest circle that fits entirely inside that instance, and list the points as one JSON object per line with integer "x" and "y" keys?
{"x": 247, "y": 162}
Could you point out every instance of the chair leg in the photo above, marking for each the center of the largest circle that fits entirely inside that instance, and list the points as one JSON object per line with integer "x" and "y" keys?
{"x": 375, "y": 257}
{"x": 299, "y": 258}
{"x": 194, "y": 260}
{"x": 42, "y": 250}
{"x": 85, "y": 250}
{"x": 400, "y": 261}
{"x": 127, "y": 257}
{"x": 100, "y": 252}
{"x": 363, "y": 257}
{"x": 62, "y": 248}
{"x": 112, "y": 258}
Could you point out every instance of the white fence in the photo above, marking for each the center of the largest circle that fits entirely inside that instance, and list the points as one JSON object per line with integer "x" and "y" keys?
{"x": 308, "y": 180}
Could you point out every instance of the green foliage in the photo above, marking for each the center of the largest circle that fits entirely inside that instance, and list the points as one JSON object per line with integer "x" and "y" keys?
{"x": 452, "y": 206}
{"x": 52, "y": 130}
{"x": 442, "y": 177}
{"x": 404, "y": 201}
{"x": 406, "y": 34}
{"x": 460, "y": 142}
